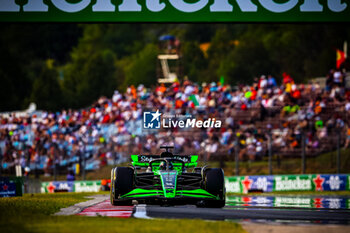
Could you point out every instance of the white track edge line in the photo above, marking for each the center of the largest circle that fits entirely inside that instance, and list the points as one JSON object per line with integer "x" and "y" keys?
{"x": 141, "y": 212}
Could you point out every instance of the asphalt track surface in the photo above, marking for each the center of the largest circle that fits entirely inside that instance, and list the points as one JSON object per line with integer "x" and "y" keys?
{"x": 254, "y": 214}
{"x": 226, "y": 213}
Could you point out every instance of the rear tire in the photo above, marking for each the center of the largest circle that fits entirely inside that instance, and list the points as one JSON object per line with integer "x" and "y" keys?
{"x": 215, "y": 184}
{"x": 122, "y": 182}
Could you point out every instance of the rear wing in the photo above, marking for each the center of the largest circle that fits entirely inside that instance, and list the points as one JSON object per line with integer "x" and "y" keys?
{"x": 144, "y": 160}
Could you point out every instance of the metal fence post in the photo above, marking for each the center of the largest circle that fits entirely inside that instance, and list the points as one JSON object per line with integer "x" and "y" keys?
{"x": 236, "y": 156}
{"x": 303, "y": 145}
{"x": 338, "y": 151}
{"x": 37, "y": 164}
{"x": 55, "y": 170}
{"x": 83, "y": 165}
{"x": 270, "y": 153}
{"x": 0, "y": 161}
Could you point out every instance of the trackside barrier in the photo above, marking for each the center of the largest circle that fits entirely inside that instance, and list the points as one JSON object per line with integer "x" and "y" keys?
{"x": 11, "y": 186}
{"x": 275, "y": 183}
{"x": 329, "y": 202}
{"x": 234, "y": 184}
{"x": 71, "y": 186}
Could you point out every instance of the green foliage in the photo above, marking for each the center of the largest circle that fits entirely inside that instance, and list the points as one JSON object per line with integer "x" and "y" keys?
{"x": 22, "y": 48}
{"x": 141, "y": 67}
{"x": 324, "y": 163}
{"x": 245, "y": 62}
{"x": 9, "y": 97}
{"x": 94, "y": 59}
{"x": 46, "y": 91}
{"x": 89, "y": 76}
{"x": 219, "y": 48}
{"x": 193, "y": 61}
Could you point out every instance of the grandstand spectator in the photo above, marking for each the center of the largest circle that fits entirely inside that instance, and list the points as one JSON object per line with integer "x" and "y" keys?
{"x": 347, "y": 142}
{"x": 111, "y": 128}
{"x": 70, "y": 176}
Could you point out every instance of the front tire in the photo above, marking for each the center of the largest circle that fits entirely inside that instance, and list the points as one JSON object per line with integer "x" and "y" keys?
{"x": 122, "y": 182}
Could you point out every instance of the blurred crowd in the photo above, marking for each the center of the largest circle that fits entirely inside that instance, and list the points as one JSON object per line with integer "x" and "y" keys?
{"x": 281, "y": 115}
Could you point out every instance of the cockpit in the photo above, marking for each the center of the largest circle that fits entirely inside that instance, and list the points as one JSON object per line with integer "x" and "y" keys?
{"x": 166, "y": 164}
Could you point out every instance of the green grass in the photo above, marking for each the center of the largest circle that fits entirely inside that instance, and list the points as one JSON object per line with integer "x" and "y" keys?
{"x": 104, "y": 224}
{"x": 296, "y": 193}
{"x": 325, "y": 163}
{"x": 33, "y": 213}
{"x": 39, "y": 204}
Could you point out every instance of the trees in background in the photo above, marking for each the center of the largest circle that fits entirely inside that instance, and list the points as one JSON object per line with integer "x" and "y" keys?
{"x": 88, "y": 77}
{"x": 242, "y": 52}
{"x": 46, "y": 90}
{"x": 69, "y": 66}
{"x": 24, "y": 50}
{"x": 140, "y": 68}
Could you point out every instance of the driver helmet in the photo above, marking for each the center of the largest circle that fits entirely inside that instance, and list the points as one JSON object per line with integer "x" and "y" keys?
{"x": 162, "y": 166}
{"x": 171, "y": 167}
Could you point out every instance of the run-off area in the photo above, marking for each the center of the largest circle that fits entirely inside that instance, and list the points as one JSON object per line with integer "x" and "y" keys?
{"x": 254, "y": 209}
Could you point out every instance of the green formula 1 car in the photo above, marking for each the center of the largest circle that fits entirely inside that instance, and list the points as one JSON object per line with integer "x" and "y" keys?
{"x": 167, "y": 179}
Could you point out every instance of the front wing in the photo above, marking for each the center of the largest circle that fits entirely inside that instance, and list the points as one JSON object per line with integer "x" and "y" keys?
{"x": 155, "y": 196}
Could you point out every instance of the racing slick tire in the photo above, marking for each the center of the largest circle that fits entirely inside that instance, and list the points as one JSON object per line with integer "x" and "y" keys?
{"x": 214, "y": 183}
{"x": 122, "y": 182}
